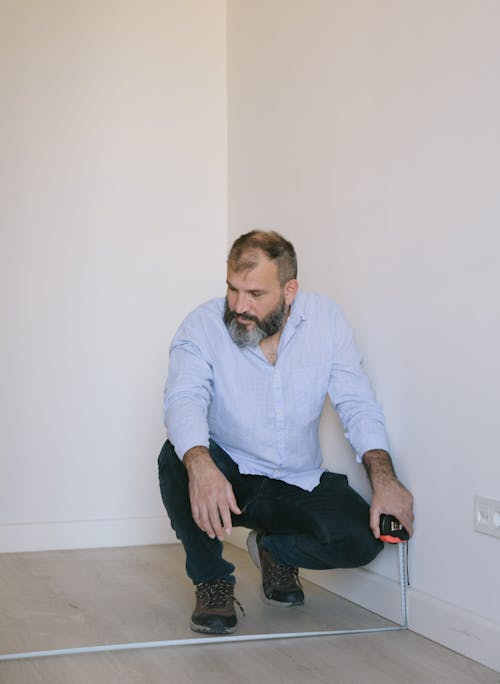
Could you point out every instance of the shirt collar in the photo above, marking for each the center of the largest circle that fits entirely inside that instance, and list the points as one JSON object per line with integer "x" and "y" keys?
{"x": 298, "y": 310}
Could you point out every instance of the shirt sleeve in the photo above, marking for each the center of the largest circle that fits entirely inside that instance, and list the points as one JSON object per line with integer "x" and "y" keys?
{"x": 188, "y": 392}
{"x": 351, "y": 393}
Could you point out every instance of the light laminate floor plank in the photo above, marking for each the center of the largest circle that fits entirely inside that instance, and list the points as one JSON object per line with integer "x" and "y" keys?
{"x": 64, "y": 599}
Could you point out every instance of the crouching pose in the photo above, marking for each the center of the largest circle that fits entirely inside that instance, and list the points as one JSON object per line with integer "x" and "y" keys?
{"x": 248, "y": 378}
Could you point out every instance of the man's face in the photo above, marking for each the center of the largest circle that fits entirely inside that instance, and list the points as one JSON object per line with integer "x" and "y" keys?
{"x": 256, "y": 303}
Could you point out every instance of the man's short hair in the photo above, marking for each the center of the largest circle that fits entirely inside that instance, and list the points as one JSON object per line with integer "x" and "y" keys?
{"x": 243, "y": 255}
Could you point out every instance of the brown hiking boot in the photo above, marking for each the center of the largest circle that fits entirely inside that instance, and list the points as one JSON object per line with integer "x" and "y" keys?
{"x": 214, "y": 611}
{"x": 280, "y": 583}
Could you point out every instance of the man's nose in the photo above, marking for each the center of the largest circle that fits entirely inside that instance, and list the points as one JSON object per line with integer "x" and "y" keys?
{"x": 241, "y": 304}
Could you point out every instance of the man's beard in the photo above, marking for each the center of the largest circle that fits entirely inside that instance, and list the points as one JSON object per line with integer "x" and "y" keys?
{"x": 264, "y": 327}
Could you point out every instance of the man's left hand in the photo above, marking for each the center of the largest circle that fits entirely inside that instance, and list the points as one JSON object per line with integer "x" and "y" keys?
{"x": 394, "y": 499}
{"x": 390, "y": 496}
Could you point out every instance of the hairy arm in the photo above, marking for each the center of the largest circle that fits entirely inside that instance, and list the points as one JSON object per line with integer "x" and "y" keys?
{"x": 389, "y": 494}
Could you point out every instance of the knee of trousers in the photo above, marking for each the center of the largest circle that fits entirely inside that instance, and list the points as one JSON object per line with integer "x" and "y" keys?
{"x": 171, "y": 470}
{"x": 350, "y": 548}
{"x": 174, "y": 484}
{"x": 362, "y": 549}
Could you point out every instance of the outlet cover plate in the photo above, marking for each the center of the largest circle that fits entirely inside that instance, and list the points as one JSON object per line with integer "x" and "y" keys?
{"x": 487, "y": 516}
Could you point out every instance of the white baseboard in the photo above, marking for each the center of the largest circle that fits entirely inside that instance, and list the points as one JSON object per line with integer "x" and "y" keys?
{"x": 452, "y": 626}
{"x": 446, "y": 624}
{"x": 461, "y": 630}
{"x": 82, "y": 534}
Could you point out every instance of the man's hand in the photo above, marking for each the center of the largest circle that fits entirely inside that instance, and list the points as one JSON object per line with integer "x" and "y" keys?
{"x": 211, "y": 495}
{"x": 389, "y": 495}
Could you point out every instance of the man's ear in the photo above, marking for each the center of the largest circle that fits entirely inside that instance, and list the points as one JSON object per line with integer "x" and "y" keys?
{"x": 290, "y": 290}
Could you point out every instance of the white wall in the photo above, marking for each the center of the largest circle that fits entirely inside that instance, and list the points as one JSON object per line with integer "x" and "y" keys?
{"x": 113, "y": 225}
{"x": 368, "y": 133}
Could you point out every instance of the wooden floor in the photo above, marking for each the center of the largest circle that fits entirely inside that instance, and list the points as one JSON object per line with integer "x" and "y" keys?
{"x": 67, "y": 599}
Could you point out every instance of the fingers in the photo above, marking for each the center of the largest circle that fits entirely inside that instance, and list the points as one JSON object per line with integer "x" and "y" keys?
{"x": 214, "y": 521}
{"x": 211, "y": 518}
{"x": 404, "y": 512}
{"x": 233, "y": 505}
{"x": 406, "y": 519}
{"x": 375, "y": 522}
{"x": 394, "y": 500}
{"x": 219, "y": 518}
{"x": 212, "y": 509}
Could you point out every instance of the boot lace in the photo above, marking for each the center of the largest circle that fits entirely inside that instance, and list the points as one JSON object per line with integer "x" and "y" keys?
{"x": 284, "y": 575}
{"x": 217, "y": 594}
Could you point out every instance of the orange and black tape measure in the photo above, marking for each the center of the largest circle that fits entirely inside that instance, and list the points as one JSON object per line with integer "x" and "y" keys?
{"x": 391, "y": 530}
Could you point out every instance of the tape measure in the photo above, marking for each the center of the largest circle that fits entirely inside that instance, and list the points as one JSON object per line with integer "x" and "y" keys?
{"x": 391, "y": 530}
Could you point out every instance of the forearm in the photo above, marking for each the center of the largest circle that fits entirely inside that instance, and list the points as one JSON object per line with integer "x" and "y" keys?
{"x": 379, "y": 467}
{"x": 197, "y": 456}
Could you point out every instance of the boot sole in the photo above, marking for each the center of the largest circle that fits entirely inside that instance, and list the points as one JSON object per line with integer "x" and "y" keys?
{"x": 209, "y": 630}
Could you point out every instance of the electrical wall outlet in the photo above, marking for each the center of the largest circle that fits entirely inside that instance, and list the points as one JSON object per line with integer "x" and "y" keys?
{"x": 487, "y": 516}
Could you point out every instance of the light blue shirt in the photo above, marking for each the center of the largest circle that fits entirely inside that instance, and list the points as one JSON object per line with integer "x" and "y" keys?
{"x": 266, "y": 417}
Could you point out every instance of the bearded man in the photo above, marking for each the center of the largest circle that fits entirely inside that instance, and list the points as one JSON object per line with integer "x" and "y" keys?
{"x": 247, "y": 382}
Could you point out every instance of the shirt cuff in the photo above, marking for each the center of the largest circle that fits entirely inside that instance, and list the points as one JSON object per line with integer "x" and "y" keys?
{"x": 366, "y": 442}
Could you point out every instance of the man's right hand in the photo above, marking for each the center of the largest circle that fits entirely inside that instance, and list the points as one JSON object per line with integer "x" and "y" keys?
{"x": 212, "y": 497}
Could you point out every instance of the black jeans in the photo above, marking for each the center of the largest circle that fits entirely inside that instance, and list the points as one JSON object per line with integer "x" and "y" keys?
{"x": 322, "y": 529}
